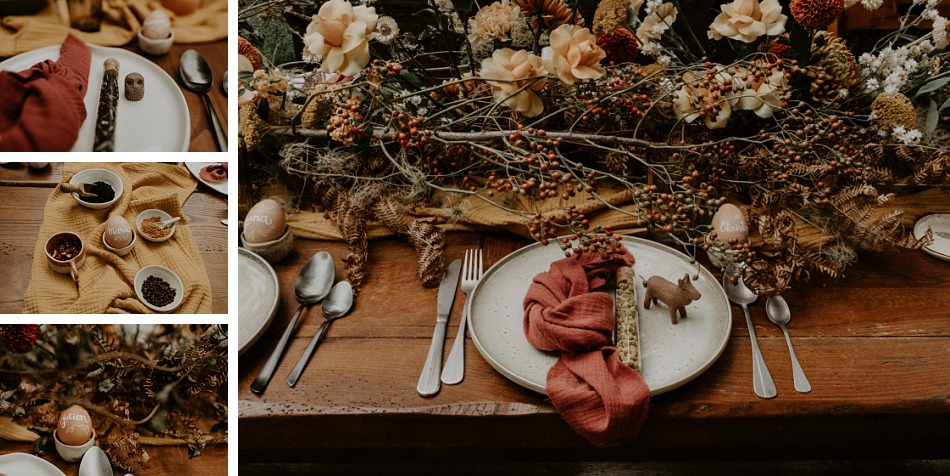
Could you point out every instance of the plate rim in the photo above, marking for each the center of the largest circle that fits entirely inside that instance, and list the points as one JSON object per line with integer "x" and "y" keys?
{"x": 274, "y": 306}
{"x": 507, "y": 373}
{"x": 220, "y": 187}
{"x": 925, "y": 220}
{"x": 15, "y": 457}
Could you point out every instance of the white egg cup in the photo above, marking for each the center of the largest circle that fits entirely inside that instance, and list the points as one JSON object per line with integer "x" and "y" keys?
{"x": 120, "y": 251}
{"x": 154, "y": 46}
{"x": 272, "y": 251}
{"x": 72, "y": 453}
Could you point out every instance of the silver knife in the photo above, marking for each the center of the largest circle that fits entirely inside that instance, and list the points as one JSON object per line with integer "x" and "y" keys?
{"x": 429, "y": 380}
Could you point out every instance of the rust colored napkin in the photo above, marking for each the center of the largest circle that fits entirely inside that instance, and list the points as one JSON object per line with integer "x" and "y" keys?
{"x": 602, "y": 399}
{"x": 41, "y": 108}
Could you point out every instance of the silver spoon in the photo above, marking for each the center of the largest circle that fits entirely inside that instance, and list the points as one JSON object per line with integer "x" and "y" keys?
{"x": 196, "y": 76}
{"x": 743, "y": 296}
{"x": 336, "y": 305}
{"x": 777, "y": 310}
{"x": 95, "y": 463}
{"x": 313, "y": 284}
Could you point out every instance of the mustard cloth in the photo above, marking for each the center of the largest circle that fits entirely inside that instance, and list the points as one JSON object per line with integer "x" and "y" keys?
{"x": 121, "y": 21}
{"x": 105, "y": 279}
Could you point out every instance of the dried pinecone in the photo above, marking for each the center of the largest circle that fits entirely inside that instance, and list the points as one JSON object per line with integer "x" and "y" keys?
{"x": 896, "y": 110}
{"x": 19, "y": 338}
{"x": 816, "y": 14}
{"x": 833, "y": 68}
{"x": 554, "y": 13}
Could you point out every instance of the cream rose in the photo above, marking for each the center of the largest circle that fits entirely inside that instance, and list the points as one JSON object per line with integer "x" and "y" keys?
{"x": 746, "y": 20}
{"x": 573, "y": 54}
{"x": 340, "y": 33}
{"x": 695, "y": 100}
{"x": 761, "y": 96}
{"x": 510, "y": 69}
{"x": 657, "y": 22}
{"x": 493, "y": 22}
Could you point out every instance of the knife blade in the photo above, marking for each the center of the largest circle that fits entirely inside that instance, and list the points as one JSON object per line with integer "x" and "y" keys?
{"x": 429, "y": 380}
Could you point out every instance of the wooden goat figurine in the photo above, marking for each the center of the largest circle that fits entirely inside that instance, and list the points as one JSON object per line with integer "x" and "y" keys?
{"x": 675, "y": 295}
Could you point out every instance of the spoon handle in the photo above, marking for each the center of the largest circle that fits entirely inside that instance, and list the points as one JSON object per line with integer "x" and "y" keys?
{"x": 801, "y": 382}
{"x": 304, "y": 359}
{"x": 761, "y": 378}
{"x": 218, "y": 130}
{"x": 260, "y": 383}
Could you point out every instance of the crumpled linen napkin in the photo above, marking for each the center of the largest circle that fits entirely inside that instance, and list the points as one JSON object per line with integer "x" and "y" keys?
{"x": 602, "y": 399}
{"x": 41, "y": 108}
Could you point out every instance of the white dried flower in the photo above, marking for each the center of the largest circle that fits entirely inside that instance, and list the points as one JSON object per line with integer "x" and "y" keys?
{"x": 872, "y": 4}
{"x": 910, "y": 137}
{"x": 940, "y": 33}
{"x": 386, "y": 29}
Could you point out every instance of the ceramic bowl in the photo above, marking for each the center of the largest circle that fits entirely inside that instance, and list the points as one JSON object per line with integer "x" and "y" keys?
{"x": 73, "y": 453}
{"x": 70, "y": 266}
{"x": 272, "y": 251}
{"x": 153, "y": 46}
{"x": 152, "y": 212}
{"x": 93, "y": 176}
{"x": 169, "y": 277}
{"x": 119, "y": 251}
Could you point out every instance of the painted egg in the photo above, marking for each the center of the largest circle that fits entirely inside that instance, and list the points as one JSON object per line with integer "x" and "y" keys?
{"x": 75, "y": 426}
{"x": 729, "y": 224}
{"x": 181, "y": 7}
{"x": 118, "y": 232}
{"x": 264, "y": 222}
{"x": 157, "y": 25}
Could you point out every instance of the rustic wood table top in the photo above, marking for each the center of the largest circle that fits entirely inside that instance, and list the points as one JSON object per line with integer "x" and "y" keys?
{"x": 23, "y": 195}
{"x": 874, "y": 344}
{"x": 163, "y": 461}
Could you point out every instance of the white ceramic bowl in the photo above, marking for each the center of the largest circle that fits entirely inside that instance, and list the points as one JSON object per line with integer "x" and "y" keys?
{"x": 152, "y": 212}
{"x": 119, "y": 251}
{"x": 73, "y": 453}
{"x": 272, "y": 251}
{"x": 93, "y": 176}
{"x": 169, "y": 277}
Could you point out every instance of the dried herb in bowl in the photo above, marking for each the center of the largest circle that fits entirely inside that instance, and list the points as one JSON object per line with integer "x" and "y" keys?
{"x": 103, "y": 193}
{"x": 66, "y": 250}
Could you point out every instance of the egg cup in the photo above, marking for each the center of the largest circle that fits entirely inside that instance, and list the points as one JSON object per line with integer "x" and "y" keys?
{"x": 72, "y": 453}
{"x": 153, "y": 212}
{"x": 119, "y": 251}
{"x": 97, "y": 175}
{"x": 272, "y": 251}
{"x": 153, "y": 46}
{"x": 166, "y": 275}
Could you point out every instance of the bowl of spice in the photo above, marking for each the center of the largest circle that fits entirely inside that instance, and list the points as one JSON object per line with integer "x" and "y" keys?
{"x": 105, "y": 186}
{"x": 149, "y": 225}
{"x": 159, "y": 288}
{"x": 65, "y": 253}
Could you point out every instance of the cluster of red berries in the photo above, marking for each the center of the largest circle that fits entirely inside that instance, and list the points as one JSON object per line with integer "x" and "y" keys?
{"x": 407, "y": 132}
{"x": 346, "y": 123}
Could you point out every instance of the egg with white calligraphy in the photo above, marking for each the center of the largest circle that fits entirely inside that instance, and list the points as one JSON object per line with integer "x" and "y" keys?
{"x": 118, "y": 232}
{"x": 729, "y": 223}
{"x": 75, "y": 426}
{"x": 264, "y": 222}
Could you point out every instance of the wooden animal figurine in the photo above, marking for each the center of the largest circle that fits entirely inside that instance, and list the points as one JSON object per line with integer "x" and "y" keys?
{"x": 675, "y": 295}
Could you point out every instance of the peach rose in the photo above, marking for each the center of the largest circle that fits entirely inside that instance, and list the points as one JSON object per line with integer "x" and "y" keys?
{"x": 340, "y": 33}
{"x": 761, "y": 96}
{"x": 695, "y": 99}
{"x": 573, "y": 54}
{"x": 493, "y": 22}
{"x": 507, "y": 72}
{"x": 657, "y": 22}
{"x": 746, "y": 20}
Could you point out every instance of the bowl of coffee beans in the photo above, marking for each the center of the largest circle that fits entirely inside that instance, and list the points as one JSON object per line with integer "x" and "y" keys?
{"x": 106, "y": 188}
{"x": 159, "y": 288}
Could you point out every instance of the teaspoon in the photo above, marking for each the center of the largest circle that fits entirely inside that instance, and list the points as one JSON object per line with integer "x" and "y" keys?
{"x": 777, "y": 310}
{"x": 196, "y": 76}
{"x": 740, "y": 294}
{"x": 336, "y": 305}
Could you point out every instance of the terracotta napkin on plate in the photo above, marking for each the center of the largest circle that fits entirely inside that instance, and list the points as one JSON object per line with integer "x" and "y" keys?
{"x": 41, "y": 108}
{"x": 602, "y": 399}
{"x": 105, "y": 279}
{"x": 121, "y": 21}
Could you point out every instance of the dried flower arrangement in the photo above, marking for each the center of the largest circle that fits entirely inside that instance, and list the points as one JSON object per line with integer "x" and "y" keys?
{"x": 518, "y": 103}
{"x": 142, "y": 385}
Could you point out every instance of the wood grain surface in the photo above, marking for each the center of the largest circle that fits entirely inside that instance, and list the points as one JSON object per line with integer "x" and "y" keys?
{"x": 874, "y": 344}
{"x": 23, "y": 196}
{"x": 163, "y": 461}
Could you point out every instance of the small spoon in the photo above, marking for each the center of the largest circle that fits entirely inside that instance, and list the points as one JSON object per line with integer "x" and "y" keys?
{"x": 336, "y": 305}
{"x": 313, "y": 284}
{"x": 777, "y": 310}
{"x": 196, "y": 76}
{"x": 168, "y": 223}
{"x": 83, "y": 189}
{"x": 95, "y": 463}
{"x": 740, "y": 294}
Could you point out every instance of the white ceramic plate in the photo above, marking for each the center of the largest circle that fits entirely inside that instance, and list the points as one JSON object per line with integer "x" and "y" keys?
{"x": 159, "y": 122}
{"x": 258, "y": 297}
{"x": 671, "y": 355}
{"x": 940, "y": 223}
{"x": 22, "y": 463}
{"x": 195, "y": 168}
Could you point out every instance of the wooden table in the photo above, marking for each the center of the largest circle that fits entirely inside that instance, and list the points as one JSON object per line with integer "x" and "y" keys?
{"x": 163, "y": 460}
{"x": 23, "y": 196}
{"x": 875, "y": 346}
{"x": 216, "y": 53}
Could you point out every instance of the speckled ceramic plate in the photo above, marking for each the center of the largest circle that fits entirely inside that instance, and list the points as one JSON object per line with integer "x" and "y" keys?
{"x": 195, "y": 169}
{"x": 672, "y": 355}
{"x": 22, "y": 463}
{"x": 940, "y": 224}
{"x": 258, "y": 296}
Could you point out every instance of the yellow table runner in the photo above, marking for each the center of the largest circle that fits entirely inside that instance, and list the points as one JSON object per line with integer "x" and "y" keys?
{"x": 105, "y": 279}
{"x": 121, "y": 21}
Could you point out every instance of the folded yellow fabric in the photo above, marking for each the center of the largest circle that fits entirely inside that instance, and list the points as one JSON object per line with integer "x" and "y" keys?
{"x": 121, "y": 21}
{"x": 105, "y": 279}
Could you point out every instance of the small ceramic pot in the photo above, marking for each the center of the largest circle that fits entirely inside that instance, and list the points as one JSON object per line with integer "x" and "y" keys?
{"x": 154, "y": 212}
{"x": 166, "y": 275}
{"x": 153, "y": 46}
{"x": 120, "y": 251}
{"x": 97, "y": 175}
{"x": 272, "y": 251}
{"x": 70, "y": 266}
{"x": 73, "y": 453}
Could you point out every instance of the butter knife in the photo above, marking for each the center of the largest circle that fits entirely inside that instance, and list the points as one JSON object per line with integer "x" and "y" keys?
{"x": 429, "y": 380}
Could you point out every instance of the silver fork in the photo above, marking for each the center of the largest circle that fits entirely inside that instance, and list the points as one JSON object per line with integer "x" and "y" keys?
{"x": 454, "y": 368}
